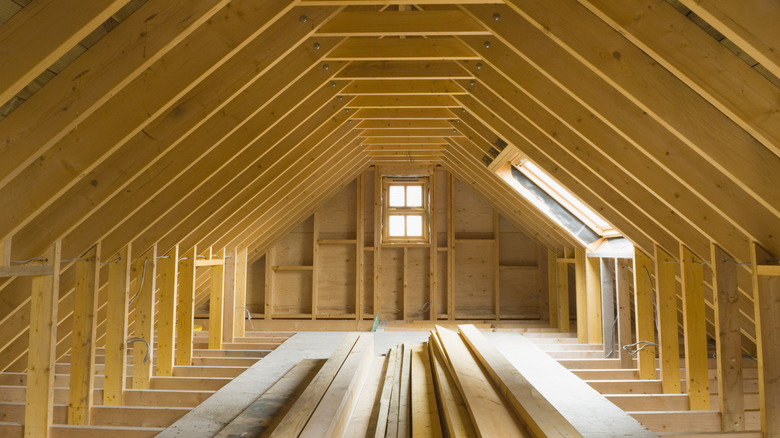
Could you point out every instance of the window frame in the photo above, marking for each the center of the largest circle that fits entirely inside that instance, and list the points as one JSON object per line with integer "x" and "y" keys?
{"x": 422, "y": 211}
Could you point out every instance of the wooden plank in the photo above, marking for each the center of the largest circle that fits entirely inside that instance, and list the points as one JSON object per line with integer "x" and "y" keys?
{"x": 563, "y": 296}
{"x": 263, "y": 414}
{"x": 29, "y": 53}
{"x": 668, "y": 329}
{"x": 296, "y": 418}
{"x": 433, "y": 254}
{"x": 539, "y": 416}
{"x": 389, "y": 49}
{"x": 332, "y": 414}
{"x": 185, "y": 308}
{"x": 25, "y": 270}
{"x": 594, "y": 293}
{"x": 395, "y": 396}
{"x": 377, "y": 430}
{"x": 230, "y": 296}
{"x": 117, "y": 294}
{"x": 38, "y": 414}
{"x": 270, "y": 276}
{"x": 728, "y": 340}
{"x": 766, "y": 291}
{"x": 145, "y": 269}
{"x": 401, "y": 23}
{"x": 644, "y": 314}
{"x": 552, "y": 282}
{"x": 623, "y": 295}
{"x": 168, "y": 268}
{"x": 581, "y": 288}
{"x": 82, "y": 353}
{"x": 491, "y": 417}
{"x": 216, "y": 301}
{"x": 360, "y": 235}
{"x": 496, "y": 267}
{"x": 425, "y": 411}
{"x": 608, "y": 300}
{"x": 240, "y": 300}
{"x": 451, "y": 247}
{"x": 456, "y": 417}
{"x": 695, "y": 325}
{"x": 404, "y": 402}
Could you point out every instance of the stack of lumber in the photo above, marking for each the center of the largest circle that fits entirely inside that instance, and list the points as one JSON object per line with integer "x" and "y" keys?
{"x": 455, "y": 385}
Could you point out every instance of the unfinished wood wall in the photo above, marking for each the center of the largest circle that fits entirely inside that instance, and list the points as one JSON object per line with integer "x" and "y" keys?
{"x": 480, "y": 267}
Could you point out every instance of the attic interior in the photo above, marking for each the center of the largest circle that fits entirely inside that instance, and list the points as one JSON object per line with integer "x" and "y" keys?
{"x": 569, "y": 206}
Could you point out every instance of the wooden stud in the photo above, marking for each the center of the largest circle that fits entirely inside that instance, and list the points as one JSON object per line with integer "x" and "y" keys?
{"x": 451, "y": 247}
{"x": 644, "y": 314}
{"x": 766, "y": 293}
{"x": 695, "y": 325}
{"x": 552, "y": 282}
{"x": 216, "y": 302}
{"x": 377, "y": 239}
{"x": 270, "y": 275}
{"x": 185, "y": 308}
{"x": 230, "y": 295}
{"x": 607, "y": 276}
{"x": 562, "y": 268}
{"x": 594, "y": 294}
{"x": 82, "y": 353}
{"x": 433, "y": 254}
{"x": 496, "y": 267}
{"x": 145, "y": 281}
{"x": 117, "y": 294}
{"x": 39, "y": 410}
{"x": 623, "y": 294}
{"x": 581, "y": 287}
{"x": 168, "y": 268}
{"x": 240, "y": 301}
{"x": 668, "y": 329}
{"x": 315, "y": 262}
{"x": 404, "y": 396}
{"x": 5, "y": 252}
{"x": 359, "y": 243}
{"x": 425, "y": 411}
{"x": 728, "y": 340}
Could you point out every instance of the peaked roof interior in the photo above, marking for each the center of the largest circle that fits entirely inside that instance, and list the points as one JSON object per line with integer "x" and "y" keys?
{"x": 223, "y": 123}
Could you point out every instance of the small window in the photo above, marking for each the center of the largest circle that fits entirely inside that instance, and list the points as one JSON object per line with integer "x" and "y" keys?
{"x": 405, "y": 209}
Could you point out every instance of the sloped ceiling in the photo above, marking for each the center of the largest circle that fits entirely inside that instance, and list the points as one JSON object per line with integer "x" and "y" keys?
{"x": 222, "y": 123}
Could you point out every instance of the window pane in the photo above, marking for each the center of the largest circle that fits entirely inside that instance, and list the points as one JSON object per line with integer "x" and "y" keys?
{"x": 395, "y": 226}
{"x": 396, "y": 196}
{"x": 414, "y": 226}
{"x": 414, "y": 196}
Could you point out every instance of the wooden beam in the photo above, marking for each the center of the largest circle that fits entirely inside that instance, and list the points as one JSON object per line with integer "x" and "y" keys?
{"x": 28, "y": 52}
{"x": 38, "y": 414}
{"x": 391, "y": 49}
{"x": 360, "y": 235}
{"x": 623, "y": 295}
{"x": 216, "y": 301}
{"x": 700, "y": 61}
{"x": 563, "y": 297}
{"x": 552, "y": 282}
{"x": 82, "y": 353}
{"x": 644, "y": 314}
{"x": 241, "y": 283}
{"x": 401, "y": 23}
{"x": 145, "y": 269}
{"x": 404, "y": 101}
{"x": 766, "y": 290}
{"x": 593, "y": 288}
{"x": 168, "y": 268}
{"x": 608, "y": 301}
{"x": 696, "y": 377}
{"x": 728, "y": 340}
{"x": 185, "y": 308}
{"x": 230, "y": 296}
{"x": 425, "y": 411}
{"x": 117, "y": 293}
{"x": 404, "y": 87}
{"x": 668, "y": 328}
{"x": 581, "y": 294}
{"x": 456, "y": 418}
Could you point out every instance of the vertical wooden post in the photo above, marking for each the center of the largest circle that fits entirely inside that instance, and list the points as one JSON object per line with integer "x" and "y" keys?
{"x": 5, "y": 252}
{"x": 496, "y": 268}
{"x": 359, "y": 237}
{"x": 728, "y": 341}
{"x": 607, "y": 286}
{"x": 552, "y": 283}
{"x": 82, "y": 353}
{"x": 563, "y": 296}
{"x": 143, "y": 356}
{"x": 230, "y": 296}
{"x": 766, "y": 295}
{"x": 405, "y": 293}
{"x": 623, "y": 293}
{"x": 645, "y": 315}
{"x": 185, "y": 308}
{"x": 695, "y": 325}
{"x": 433, "y": 280}
{"x": 269, "y": 283}
{"x": 168, "y": 267}
{"x": 378, "y": 219}
{"x": 315, "y": 269}
{"x": 117, "y": 294}
{"x": 216, "y": 306}
{"x": 581, "y": 296}
{"x": 39, "y": 409}
{"x": 668, "y": 331}
{"x": 451, "y": 247}
{"x": 593, "y": 291}
{"x": 239, "y": 323}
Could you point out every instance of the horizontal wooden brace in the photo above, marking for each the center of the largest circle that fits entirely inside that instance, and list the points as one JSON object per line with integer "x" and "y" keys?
{"x": 26, "y": 270}
{"x": 770, "y": 270}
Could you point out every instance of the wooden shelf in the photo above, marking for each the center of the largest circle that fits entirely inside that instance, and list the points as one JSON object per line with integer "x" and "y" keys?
{"x": 293, "y": 268}
{"x": 337, "y": 241}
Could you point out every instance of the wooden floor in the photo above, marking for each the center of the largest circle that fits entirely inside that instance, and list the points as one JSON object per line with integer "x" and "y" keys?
{"x": 144, "y": 412}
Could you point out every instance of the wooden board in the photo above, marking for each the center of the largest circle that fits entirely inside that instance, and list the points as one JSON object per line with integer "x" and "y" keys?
{"x": 417, "y": 282}
{"x": 291, "y": 292}
{"x": 391, "y": 283}
{"x": 425, "y": 411}
{"x": 337, "y": 216}
{"x": 473, "y": 215}
{"x": 456, "y": 418}
{"x": 474, "y": 295}
{"x": 336, "y": 279}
